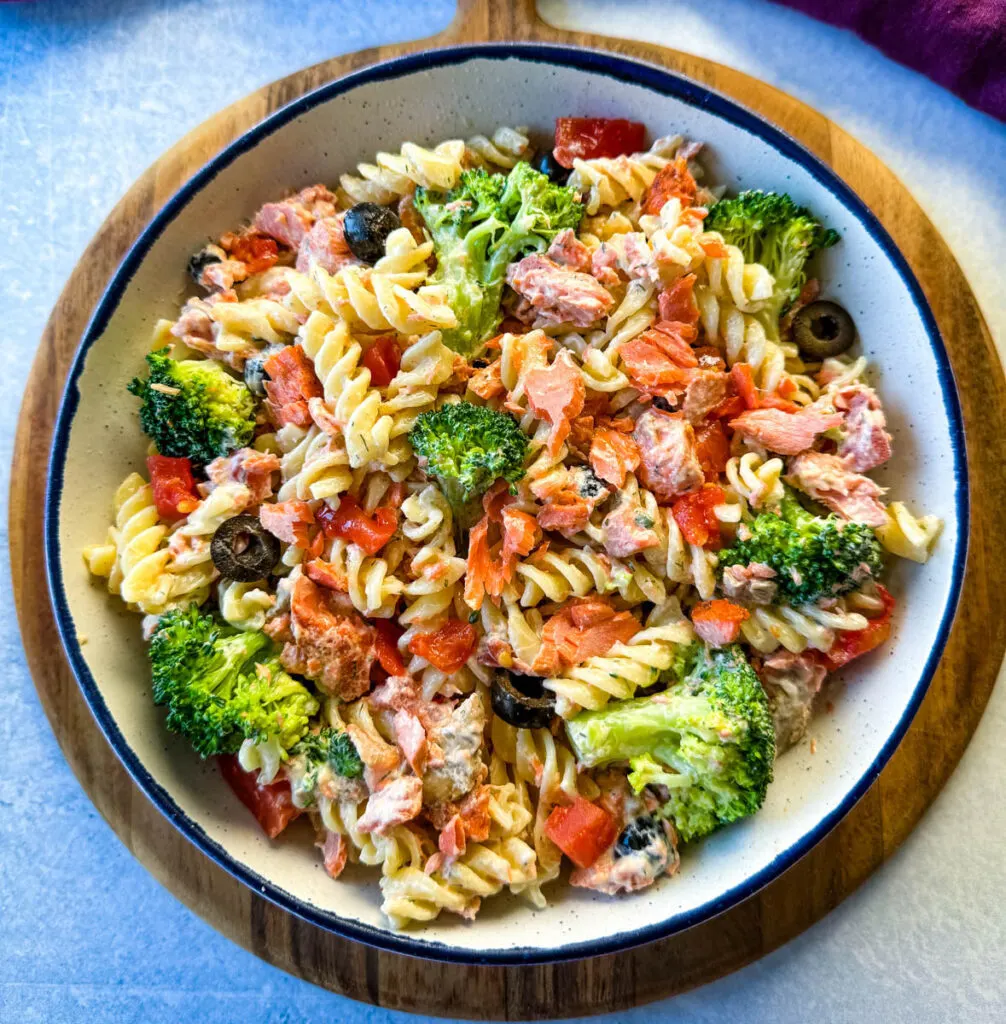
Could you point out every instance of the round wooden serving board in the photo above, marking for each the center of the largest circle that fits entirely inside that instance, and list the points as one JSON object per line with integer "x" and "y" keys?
{"x": 812, "y": 887}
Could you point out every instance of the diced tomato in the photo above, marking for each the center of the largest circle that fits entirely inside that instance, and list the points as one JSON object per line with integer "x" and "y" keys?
{"x": 173, "y": 485}
{"x": 255, "y": 251}
{"x": 742, "y": 377}
{"x": 351, "y": 523}
{"x": 775, "y": 402}
{"x": 695, "y": 516}
{"x": 292, "y": 381}
{"x": 731, "y": 407}
{"x": 714, "y": 250}
{"x": 383, "y": 358}
{"x": 584, "y": 138}
{"x": 673, "y": 181}
{"x": 449, "y": 647}
{"x": 718, "y": 622}
{"x": 787, "y": 387}
{"x": 850, "y": 645}
{"x": 272, "y": 804}
{"x": 583, "y": 831}
{"x": 713, "y": 449}
{"x": 386, "y": 646}
{"x": 316, "y": 545}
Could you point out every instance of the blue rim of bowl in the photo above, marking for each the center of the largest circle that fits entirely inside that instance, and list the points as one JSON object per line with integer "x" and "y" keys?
{"x": 620, "y": 69}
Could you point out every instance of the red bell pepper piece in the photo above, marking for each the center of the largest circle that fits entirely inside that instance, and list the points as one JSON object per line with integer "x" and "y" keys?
{"x": 584, "y": 138}
{"x": 386, "y": 646}
{"x": 694, "y": 515}
{"x": 351, "y": 523}
{"x": 850, "y": 645}
{"x": 383, "y": 358}
{"x": 173, "y": 485}
{"x": 449, "y": 647}
{"x": 257, "y": 252}
{"x": 742, "y": 377}
{"x": 583, "y": 831}
{"x": 271, "y": 804}
{"x": 713, "y": 449}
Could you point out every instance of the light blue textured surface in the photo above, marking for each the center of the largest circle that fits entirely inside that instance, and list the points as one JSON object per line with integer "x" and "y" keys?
{"x": 91, "y": 91}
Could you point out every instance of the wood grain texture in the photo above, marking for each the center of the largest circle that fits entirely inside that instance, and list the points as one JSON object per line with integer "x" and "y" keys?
{"x": 812, "y": 887}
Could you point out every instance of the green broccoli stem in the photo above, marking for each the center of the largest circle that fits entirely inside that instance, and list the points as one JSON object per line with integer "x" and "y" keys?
{"x": 513, "y": 245}
{"x": 466, "y": 511}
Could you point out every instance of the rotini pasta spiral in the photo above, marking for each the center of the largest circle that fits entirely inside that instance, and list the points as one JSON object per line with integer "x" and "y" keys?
{"x": 535, "y": 759}
{"x": 353, "y": 404}
{"x": 258, "y": 319}
{"x": 506, "y": 147}
{"x": 756, "y": 480}
{"x": 244, "y": 605}
{"x": 190, "y": 565}
{"x": 390, "y": 295}
{"x": 907, "y": 536}
{"x": 137, "y": 567}
{"x": 396, "y": 174}
{"x": 611, "y": 181}
{"x": 623, "y": 670}
{"x": 370, "y": 581}
{"x": 796, "y": 629}
{"x": 676, "y": 560}
{"x": 264, "y": 757}
{"x": 564, "y": 572}
{"x": 427, "y": 364}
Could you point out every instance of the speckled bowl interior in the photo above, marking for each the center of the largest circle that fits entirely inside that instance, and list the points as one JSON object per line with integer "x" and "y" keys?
{"x": 427, "y": 98}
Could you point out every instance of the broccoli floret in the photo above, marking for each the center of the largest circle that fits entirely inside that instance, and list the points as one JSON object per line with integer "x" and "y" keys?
{"x": 482, "y": 226}
{"x": 334, "y": 748}
{"x": 222, "y": 686}
{"x": 468, "y": 448}
{"x": 813, "y": 556}
{"x": 709, "y": 739}
{"x": 769, "y": 228}
{"x": 193, "y": 408}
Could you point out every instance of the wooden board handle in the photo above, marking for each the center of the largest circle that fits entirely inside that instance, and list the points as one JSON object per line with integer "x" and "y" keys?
{"x": 493, "y": 21}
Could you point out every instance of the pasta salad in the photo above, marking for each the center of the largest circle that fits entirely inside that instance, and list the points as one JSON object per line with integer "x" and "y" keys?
{"x": 507, "y": 507}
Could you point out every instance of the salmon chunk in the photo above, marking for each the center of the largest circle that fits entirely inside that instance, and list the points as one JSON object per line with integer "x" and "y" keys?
{"x": 332, "y": 649}
{"x": 557, "y": 294}
{"x": 788, "y": 433}
{"x": 670, "y": 465}
{"x": 828, "y": 479}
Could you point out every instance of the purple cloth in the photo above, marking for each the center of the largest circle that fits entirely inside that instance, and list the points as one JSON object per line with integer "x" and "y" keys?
{"x": 959, "y": 43}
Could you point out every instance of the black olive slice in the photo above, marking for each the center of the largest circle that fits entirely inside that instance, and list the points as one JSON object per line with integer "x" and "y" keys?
{"x": 243, "y": 549}
{"x": 548, "y": 164}
{"x": 522, "y": 701}
{"x": 366, "y": 229}
{"x": 199, "y": 261}
{"x": 823, "y": 329}
{"x": 255, "y": 375}
{"x": 637, "y": 835}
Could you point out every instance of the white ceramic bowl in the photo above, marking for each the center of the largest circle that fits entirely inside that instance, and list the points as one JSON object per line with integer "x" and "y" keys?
{"x": 426, "y": 98}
